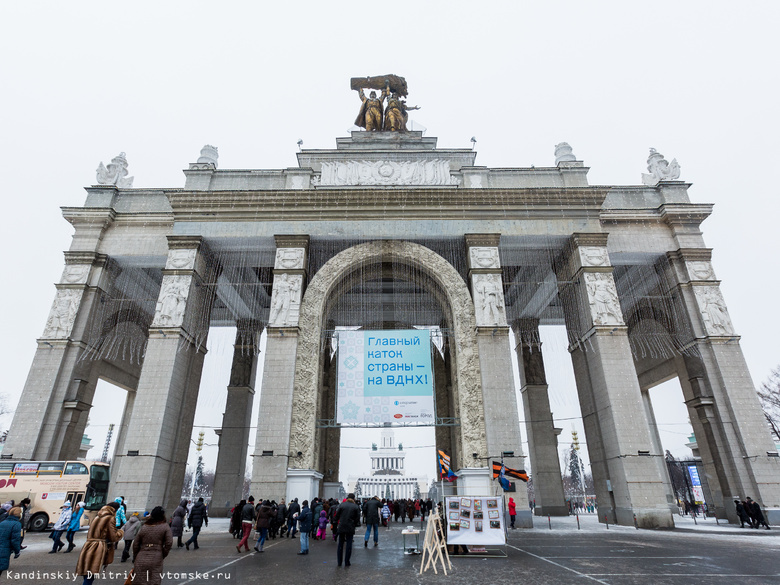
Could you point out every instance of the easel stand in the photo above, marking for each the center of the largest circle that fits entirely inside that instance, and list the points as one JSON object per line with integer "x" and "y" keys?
{"x": 434, "y": 547}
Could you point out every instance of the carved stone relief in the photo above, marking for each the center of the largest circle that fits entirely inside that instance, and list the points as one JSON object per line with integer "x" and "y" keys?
{"x": 713, "y": 310}
{"x": 603, "y": 299}
{"x": 172, "y": 301}
{"x": 489, "y": 299}
{"x": 289, "y": 258}
{"x": 475, "y": 182}
{"x": 115, "y": 173}
{"x": 298, "y": 182}
{"x": 484, "y": 257}
{"x": 76, "y": 273}
{"x": 63, "y": 314}
{"x": 181, "y": 259}
{"x": 362, "y": 172}
{"x": 660, "y": 169}
{"x": 593, "y": 256}
{"x": 285, "y": 300}
{"x": 700, "y": 270}
{"x": 467, "y": 384}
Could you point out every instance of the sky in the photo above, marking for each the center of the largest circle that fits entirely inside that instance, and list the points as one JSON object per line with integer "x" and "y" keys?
{"x": 158, "y": 80}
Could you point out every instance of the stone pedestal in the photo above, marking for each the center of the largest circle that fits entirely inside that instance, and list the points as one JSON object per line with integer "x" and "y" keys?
{"x": 303, "y": 484}
{"x": 475, "y": 481}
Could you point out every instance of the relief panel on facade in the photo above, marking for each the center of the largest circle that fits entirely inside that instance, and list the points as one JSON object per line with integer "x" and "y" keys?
{"x": 181, "y": 259}
{"x": 76, "y": 273}
{"x": 713, "y": 310}
{"x": 593, "y": 256}
{"x": 700, "y": 270}
{"x": 285, "y": 300}
{"x": 484, "y": 257}
{"x": 289, "y": 258}
{"x": 63, "y": 313}
{"x": 172, "y": 301}
{"x": 362, "y": 172}
{"x": 603, "y": 299}
{"x": 489, "y": 300}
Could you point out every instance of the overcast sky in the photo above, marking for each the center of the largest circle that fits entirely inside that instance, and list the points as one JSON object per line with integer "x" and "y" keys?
{"x": 83, "y": 81}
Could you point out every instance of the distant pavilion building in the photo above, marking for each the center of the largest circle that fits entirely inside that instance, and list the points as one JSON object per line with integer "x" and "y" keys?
{"x": 388, "y": 473}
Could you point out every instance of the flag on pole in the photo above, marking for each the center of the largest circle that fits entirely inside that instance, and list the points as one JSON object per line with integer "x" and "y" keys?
{"x": 515, "y": 473}
{"x": 502, "y": 479}
{"x": 444, "y": 467}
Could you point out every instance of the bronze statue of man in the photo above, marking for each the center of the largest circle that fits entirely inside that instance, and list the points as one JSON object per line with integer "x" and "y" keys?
{"x": 371, "y": 110}
{"x": 396, "y": 114}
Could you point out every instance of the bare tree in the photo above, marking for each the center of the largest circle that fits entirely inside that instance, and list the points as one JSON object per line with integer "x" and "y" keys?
{"x": 769, "y": 396}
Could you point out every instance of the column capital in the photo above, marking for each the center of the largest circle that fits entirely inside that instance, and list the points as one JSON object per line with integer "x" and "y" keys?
{"x": 486, "y": 240}
{"x": 292, "y": 241}
{"x": 176, "y": 242}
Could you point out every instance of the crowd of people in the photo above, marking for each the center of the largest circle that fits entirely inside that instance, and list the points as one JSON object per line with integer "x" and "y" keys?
{"x": 148, "y": 540}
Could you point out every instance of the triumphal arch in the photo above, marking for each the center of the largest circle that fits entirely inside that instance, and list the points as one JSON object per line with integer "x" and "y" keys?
{"x": 391, "y": 235}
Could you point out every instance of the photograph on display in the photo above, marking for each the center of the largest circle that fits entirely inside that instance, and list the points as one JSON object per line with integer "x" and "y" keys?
{"x": 478, "y": 526}
{"x": 465, "y": 502}
{"x": 493, "y": 514}
{"x": 454, "y": 505}
{"x": 454, "y": 516}
{"x": 465, "y": 513}
{"x": 495, "y": 524}
{"x": 492, "y": 503}
{"x": 477, "y": 504}
{"x": 454, "y": 526}
{"x": 464, "y": 524}
{"x": 477, "y": 515}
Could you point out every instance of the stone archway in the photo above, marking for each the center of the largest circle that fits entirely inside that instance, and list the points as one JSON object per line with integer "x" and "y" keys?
{"x": 467, "y": 385}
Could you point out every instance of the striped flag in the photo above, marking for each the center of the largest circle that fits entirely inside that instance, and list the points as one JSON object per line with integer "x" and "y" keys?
{"x": 515, "y": 473}
{"x": 445, "y": 472}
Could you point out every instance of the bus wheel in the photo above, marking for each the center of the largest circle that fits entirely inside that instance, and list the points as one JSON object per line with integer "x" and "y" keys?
{"x": 39, "y": 522}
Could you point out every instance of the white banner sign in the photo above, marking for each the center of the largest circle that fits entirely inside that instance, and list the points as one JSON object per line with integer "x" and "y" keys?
{"x": 385, "y": 377}
{"x": 475, "y": 520}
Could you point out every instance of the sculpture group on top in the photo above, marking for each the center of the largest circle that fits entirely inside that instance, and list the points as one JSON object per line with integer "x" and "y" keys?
{"x": 373, "y": 116}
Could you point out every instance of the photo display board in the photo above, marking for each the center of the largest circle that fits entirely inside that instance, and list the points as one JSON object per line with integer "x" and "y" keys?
{"x": 475, "y": 520}
{"x": 384, "y": 377}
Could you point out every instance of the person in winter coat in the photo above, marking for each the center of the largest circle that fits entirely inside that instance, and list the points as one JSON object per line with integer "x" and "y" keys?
{"x": 198, "y": 516}
{"x": 304, "y": 522}
{"x": 10, "y": 537}
{"x": 98, "y": 551}
{"x": 322, "y": 525}
{"x": 371, "y": 512}
{"x": 292, "y": 514}
{"x": 281, "y": 518}
{"x": 247, "y": 519}
{"x": 177, "y": 522}
{"x": 347, "y": 520}
{"x": 150, "y": 546}
{"x": 132, "y": 526}
{"x": 512, "y": 512}
{"x": 62, "y": 524}
{"x": 743, "y": 515}
{"x": 74, "y": 526}
{"x": 121, "y": 518}
{"x": 386, "y": 513}
{"x": 235, "y": 520}
{"x": 263, "y": 522}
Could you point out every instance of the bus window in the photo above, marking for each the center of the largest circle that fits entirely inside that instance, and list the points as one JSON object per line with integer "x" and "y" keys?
{"x": 6, "y": 468}
{"x": 50, "y": 468}
{"x": 97, "y": 488}
{"x": 26, "y": 469}
{"x": 75, "y": 469}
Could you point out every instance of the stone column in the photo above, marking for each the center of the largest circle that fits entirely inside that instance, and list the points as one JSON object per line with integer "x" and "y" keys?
{"x": 158, "y": 437}
{"x": 620, "y": 446}
{"x": 542, "y": 434}
{"x": 737, "y": 450}
{"x": 236, "y": 421}
{"x": 272, "y": 457}
{"x": 495, "y": 356}
{"x": 52, "y": 412}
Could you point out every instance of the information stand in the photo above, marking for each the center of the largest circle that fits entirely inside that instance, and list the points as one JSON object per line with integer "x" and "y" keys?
{"x": 434, "y": 547}
{"x": 478, "y": 522}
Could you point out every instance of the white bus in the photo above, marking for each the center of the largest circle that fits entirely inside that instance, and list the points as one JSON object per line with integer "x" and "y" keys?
{"x": 49, "y": 484}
